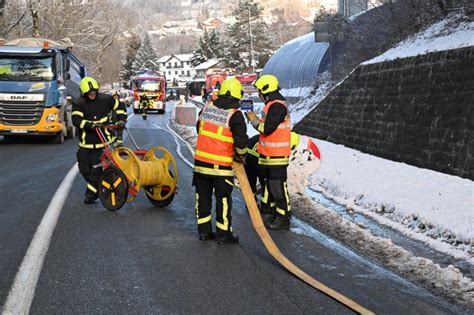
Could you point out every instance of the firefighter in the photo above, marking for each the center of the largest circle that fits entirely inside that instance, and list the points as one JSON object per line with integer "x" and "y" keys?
{"x": 144, "y": 105}
{"x": 90, "y": 111}
{"x": 222, "y": 137}
{"x": 119, "y": 117}
{"x": 274, "y": 150}
{"x": 252, "y": 169}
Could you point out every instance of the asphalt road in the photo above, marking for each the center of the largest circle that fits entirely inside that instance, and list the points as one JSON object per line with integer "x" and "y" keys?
{"x": 143, "y": 260}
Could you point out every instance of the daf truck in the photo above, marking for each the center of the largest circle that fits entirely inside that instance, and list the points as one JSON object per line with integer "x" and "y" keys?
{"x": 38, "y": 80}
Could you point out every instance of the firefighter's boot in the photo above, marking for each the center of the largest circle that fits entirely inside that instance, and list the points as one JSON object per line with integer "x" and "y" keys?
{"x": 208, "y": 236}
{"x": 229, "y": 239}
{"x": 268, "y": 214}
{"x": 280, "y": 223}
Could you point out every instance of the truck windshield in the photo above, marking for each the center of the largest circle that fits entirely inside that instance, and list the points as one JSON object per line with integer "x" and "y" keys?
{"x": 149, "y": 85}
{"x": 26, "y": 68}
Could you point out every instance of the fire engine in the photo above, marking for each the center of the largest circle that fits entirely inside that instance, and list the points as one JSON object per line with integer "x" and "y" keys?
{"x": 153, "y": 85}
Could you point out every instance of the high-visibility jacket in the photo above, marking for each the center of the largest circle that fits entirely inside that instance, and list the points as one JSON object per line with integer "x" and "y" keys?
{"x": 274, "y": 149}
{"x": 215, "y": 144}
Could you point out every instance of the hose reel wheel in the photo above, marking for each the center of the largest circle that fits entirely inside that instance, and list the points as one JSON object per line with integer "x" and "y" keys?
{"x": 162, "y": 194}
{"x": 113, "y": 189}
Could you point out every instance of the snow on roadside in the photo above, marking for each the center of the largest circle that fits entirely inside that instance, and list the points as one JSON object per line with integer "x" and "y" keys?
{"x": 304, "y": 106}
{"x": 448, "y": 281}
{"x": 429, "y": 203}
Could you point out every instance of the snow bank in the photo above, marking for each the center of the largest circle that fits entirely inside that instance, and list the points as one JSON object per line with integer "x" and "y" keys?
{"x": 448, "y": 281}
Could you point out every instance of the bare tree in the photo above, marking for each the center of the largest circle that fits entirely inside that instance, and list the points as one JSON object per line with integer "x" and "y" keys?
{"x": 92, "y": 26}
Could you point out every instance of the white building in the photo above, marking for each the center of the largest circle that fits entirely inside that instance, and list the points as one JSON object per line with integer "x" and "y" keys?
{"x": 177, "y": 67}
{"x": 200, "y": 70}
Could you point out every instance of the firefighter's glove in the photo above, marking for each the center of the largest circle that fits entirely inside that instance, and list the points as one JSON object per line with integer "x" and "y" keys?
{"x": 252, "y": 117}
{"x": 121, "y": 124}
{"x": 97, "y": 125}
{"x": 240, "y": 158}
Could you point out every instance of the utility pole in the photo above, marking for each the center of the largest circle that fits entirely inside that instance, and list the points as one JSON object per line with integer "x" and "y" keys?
{"x": 2, "y": 8}
{"x": 251, "y": 44}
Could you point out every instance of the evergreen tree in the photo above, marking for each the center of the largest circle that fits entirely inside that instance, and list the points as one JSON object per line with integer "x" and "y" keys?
{"x": 132, "y": 47}
{"x": 145, "y": 59}
{"x": 250, "y": 42}
{"x": 209, "y": 47}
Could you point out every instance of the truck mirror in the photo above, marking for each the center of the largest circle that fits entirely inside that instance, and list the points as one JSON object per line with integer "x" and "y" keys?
{"x": 67, "y": 76}
{"x": 67, "y": 65}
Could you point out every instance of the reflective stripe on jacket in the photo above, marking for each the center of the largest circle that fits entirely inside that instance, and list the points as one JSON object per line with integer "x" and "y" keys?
{"x": 215, "y": 144}
{"x": 274, "y": 149}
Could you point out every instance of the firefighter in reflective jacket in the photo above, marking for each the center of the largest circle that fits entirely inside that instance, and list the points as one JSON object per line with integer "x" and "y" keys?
{"x": 90, "y": 111}
{"x": 274, "y": 151}
{"x": 222, "y": 137}
{"x": 252, "y": 169}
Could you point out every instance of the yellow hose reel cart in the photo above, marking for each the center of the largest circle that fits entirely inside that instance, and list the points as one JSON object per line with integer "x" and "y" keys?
{"x": 126, "y": 171}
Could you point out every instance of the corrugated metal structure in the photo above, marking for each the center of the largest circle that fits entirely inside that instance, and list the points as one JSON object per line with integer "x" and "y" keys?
{"x": 298, "y": 62}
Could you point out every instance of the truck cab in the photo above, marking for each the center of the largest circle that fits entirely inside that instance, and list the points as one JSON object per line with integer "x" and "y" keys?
{"x": 37, "y": 84}
{"x": 153, "y": 87}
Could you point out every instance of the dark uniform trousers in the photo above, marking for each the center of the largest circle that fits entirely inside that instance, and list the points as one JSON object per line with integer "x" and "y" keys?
{"x": 222, "y": 188}
{"x": 275, "y": 198}
{"x": 254, "y": 173}
{"x": 86, "y": 159}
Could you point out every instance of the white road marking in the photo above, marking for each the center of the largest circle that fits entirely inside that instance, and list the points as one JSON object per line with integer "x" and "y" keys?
{"x": 177, "y": 135}
{"x": 23, "y": 289}
{"x": 178, "y": 146}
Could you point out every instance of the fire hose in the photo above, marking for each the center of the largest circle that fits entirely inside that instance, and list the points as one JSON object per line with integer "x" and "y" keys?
{"x": 270, "y": 245}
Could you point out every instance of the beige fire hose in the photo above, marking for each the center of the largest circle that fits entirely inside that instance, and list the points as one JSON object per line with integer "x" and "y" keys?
{"x": 277, "y": 254}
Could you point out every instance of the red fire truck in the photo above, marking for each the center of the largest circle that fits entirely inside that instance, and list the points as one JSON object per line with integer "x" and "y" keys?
{"x": 154, "y": 87}
{"x": 250, "y": 92}
{"x": 213, "y": 76}
{"x": 247, "y": 80}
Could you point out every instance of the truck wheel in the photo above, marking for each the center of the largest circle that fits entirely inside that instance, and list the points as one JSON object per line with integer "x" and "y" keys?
{"x": 71, "y": 132}
{"x": 58, "y": 138}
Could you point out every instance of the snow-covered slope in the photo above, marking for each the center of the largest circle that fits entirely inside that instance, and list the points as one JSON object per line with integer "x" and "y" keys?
{"x": 451, "y": 33}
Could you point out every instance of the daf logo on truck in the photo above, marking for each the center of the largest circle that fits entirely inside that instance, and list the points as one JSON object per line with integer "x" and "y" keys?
{"x": 15, "y": 97}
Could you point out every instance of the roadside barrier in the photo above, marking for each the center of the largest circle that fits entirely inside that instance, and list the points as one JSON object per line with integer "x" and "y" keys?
{"x": 185, "y": 115}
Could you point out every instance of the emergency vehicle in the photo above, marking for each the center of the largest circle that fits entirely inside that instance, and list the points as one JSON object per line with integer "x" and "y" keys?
{"x": 250, "y": 91}
{"x": 153, "y": 85}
